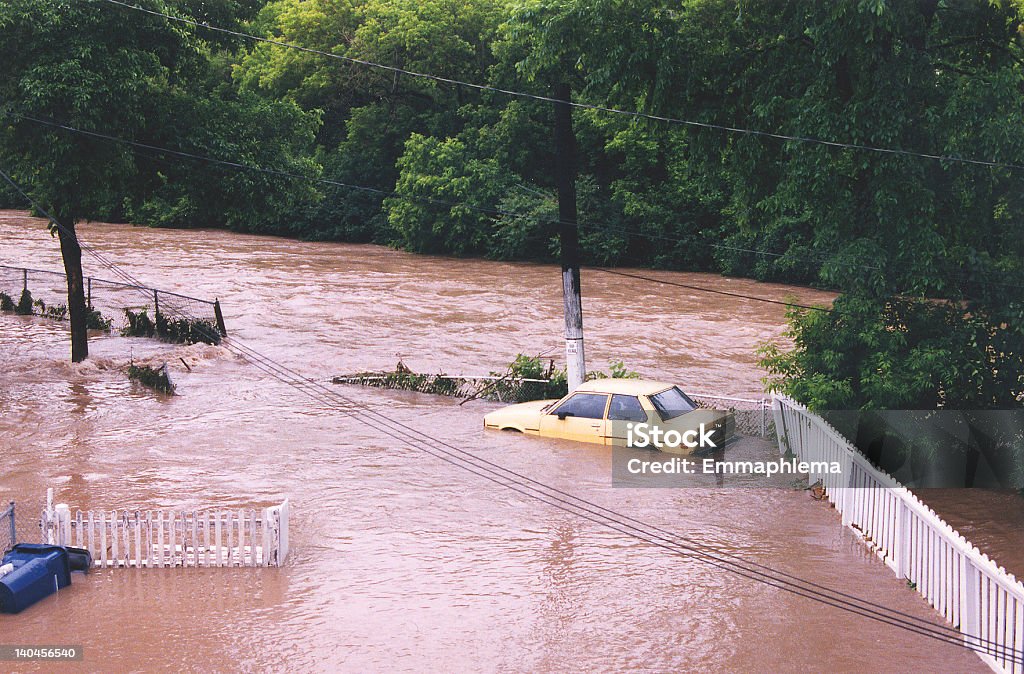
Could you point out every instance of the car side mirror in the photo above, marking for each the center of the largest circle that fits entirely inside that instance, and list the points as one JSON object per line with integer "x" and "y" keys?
{"x": 562, "y": 415}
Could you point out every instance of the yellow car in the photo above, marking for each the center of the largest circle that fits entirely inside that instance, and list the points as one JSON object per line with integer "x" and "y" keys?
{"x": 623, "y": 412}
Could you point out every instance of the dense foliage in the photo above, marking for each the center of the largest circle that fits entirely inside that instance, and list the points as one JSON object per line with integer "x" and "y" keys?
{"x": 928, "y": 254}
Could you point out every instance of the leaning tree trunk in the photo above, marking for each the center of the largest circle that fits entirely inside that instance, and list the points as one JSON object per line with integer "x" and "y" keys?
{"x": 72, "y": 254}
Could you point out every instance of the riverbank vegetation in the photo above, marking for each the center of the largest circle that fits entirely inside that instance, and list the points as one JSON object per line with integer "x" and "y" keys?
{"x": 927, "y": 254}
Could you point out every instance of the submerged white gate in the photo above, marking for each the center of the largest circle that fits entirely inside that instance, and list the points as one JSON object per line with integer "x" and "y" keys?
{"x": 172, "y": 538}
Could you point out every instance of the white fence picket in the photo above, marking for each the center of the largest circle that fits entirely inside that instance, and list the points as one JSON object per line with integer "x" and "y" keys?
{"x": 228, "y": 543}
{"x": 252, "y": 538}
{"x": 137, "y": 526}
{"x": 172, "y": 551}
{"x": 103, "y": 539}
{"x": 218, "y": 517}
{"x": 241, "y": 538}
{"x": 125, "y": 526}
{"x": 160, "y": 539}
{"x": 963, "y": 585}
{"x": 91, "y": 532}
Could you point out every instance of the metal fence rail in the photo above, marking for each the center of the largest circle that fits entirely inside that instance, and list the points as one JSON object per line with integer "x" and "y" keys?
{"x": 110, "y": 298}
{"x": 963, "y": 584}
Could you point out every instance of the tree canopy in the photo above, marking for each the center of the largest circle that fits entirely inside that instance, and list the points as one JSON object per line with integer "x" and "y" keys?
{"x": 926, "y": 253}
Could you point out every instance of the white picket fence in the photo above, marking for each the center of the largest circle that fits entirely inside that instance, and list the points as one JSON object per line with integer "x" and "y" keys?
{"x": 172, "y": 538}
{"x": 970, "y": 591}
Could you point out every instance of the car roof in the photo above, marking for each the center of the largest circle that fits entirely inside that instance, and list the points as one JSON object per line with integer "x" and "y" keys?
{"x": 634, "y": 387}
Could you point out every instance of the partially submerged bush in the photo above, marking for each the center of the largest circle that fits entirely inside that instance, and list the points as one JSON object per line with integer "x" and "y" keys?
{"x": 511, "y": 387}
{"x": 24, "y": 307}
{"x": 94, "y": 320}
{"x": 57, "y": 312}
{"x": 177, "y": 330}
{"x": 156, "y": 378}
{"x": 138, "y": 324}
{"x": 187, "y": 330}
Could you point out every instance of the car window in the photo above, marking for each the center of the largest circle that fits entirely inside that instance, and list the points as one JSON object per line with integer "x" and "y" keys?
{"x": 672, "y": 403}
{"x": 584, "y": 405}
{"x": 626, "y": 408}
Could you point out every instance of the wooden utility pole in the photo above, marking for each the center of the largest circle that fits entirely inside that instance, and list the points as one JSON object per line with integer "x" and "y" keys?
{"x": 565, "y": 180}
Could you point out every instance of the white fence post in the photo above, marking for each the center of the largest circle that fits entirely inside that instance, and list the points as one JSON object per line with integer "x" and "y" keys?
{"x": 63, "y": 517}
{"x": 970, "y": 622}
{"x": 267, "y": 544}
{"x": 898, "y": 538}
{"x": 283, "y": 543}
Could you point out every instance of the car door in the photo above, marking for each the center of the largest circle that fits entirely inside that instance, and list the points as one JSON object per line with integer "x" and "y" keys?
{"x": 624, "y": 412}
{"x": 579, "y": 417}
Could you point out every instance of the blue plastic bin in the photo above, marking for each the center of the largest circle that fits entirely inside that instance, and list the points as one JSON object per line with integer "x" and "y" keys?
{"x": 39, "y": 571}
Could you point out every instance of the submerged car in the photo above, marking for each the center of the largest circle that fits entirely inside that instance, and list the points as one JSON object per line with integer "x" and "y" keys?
{"x": 622, "y": 412}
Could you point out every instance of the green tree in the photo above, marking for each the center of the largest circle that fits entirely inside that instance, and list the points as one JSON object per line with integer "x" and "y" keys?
{"x": 240, "y": 128}
{"x": 370, "y": 114}
{"x": 435, "y": 171}
{"x": 68, "y": 61}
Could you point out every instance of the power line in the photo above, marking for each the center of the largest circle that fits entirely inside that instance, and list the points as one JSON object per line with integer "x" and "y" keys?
{"x": 286, "y": 174}
{"x": 579, "y": 507}
{"x": 493, "y": 212}
{"x": 584, "y": 106}
{"x": 617, "y": 111}
{"x": 709, "y": 290}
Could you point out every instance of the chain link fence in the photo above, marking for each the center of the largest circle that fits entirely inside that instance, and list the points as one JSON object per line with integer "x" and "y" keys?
{"x": 115, "y": 306}
{"x": 753, "y": 416}
{"x": 19, "y": 525}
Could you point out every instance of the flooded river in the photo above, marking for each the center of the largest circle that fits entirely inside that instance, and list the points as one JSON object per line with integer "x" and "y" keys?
{"x": 400, "y": 562}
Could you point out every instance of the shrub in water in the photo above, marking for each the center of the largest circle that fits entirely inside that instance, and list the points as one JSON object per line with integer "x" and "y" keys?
{"x": 24, "y": 307}
{"x": 57, "y": 312}
{"x": 94, "y": 320}
{"x": 6, "y": 303}
{"x": 155, "y": 378}
{"x": 511, "y": 387}
{"x": 139, "y": 324}
{"x": 187, "y": 330}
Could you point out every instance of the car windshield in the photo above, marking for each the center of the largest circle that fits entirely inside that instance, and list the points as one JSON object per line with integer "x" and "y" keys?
{"x": 672, "y": 403}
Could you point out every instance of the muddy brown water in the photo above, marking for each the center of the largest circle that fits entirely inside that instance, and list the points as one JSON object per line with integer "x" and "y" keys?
{"x": 399, "y": 562}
